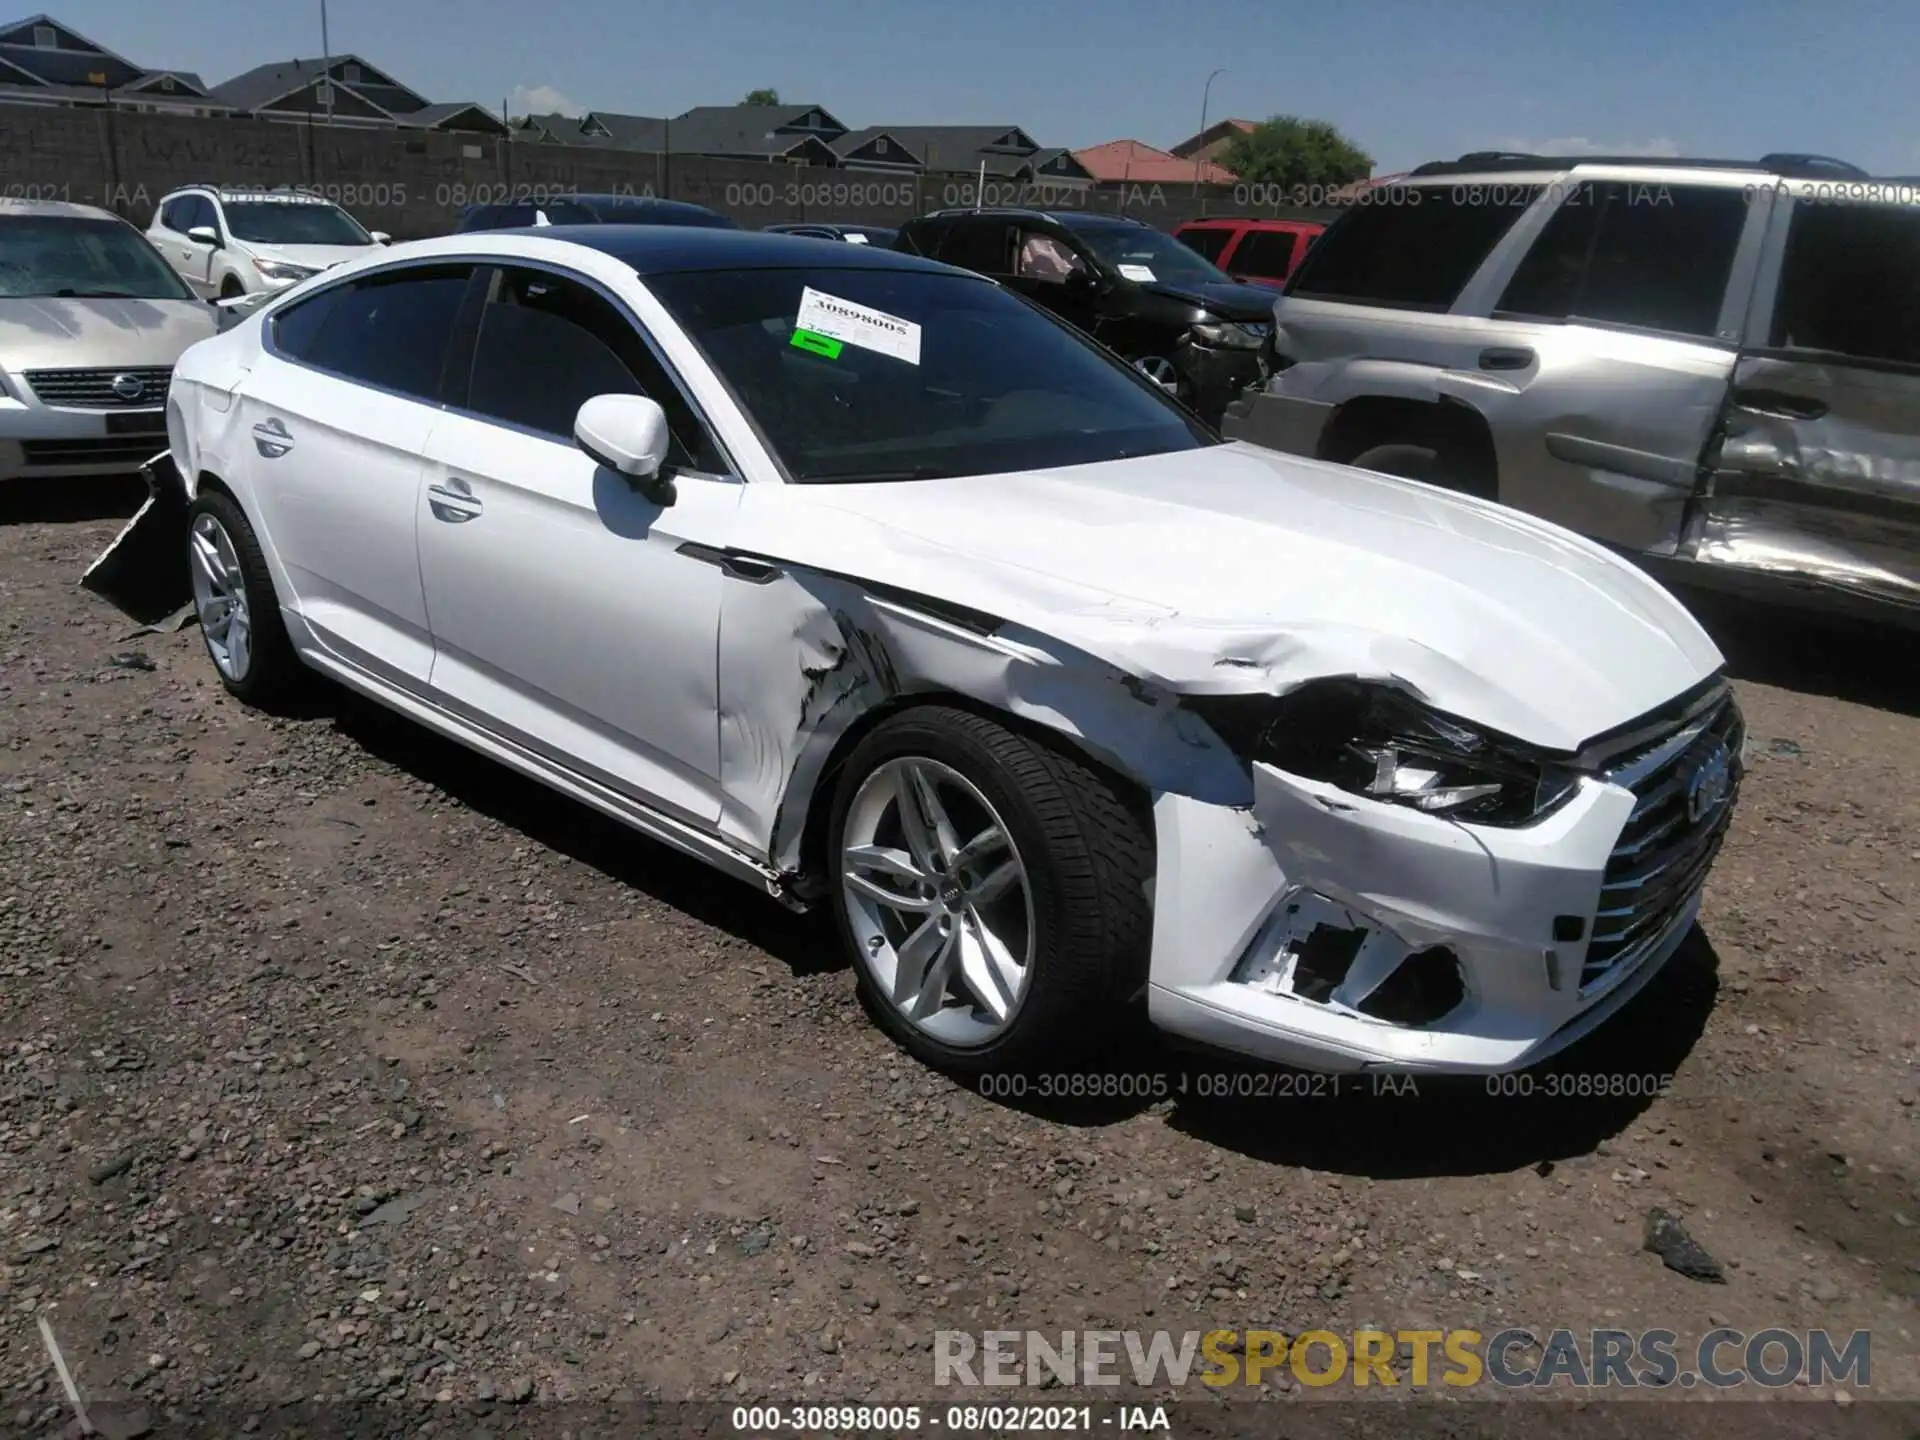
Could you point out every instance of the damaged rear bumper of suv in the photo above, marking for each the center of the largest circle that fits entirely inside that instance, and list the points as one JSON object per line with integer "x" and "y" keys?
{"x": 1334, "y": 931}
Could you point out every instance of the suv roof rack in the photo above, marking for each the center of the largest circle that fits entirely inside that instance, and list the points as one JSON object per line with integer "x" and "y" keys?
{"x": 1792, "y": 166}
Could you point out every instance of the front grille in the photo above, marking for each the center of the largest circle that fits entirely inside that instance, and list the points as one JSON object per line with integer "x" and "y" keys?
{"x": 1664, "y": 853}
{"x": 93, "y": 389}
{"x": 132, "y": 451}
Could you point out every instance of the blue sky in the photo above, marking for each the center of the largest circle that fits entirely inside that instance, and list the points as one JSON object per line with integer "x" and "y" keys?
{"x": 1409, "y": 80}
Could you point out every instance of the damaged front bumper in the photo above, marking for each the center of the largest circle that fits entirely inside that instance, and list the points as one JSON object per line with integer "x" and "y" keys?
{"x": 1333, "y": 932}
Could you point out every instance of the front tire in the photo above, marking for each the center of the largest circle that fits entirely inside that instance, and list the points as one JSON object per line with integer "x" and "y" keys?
{"x": 234, "y": 601}
{"x": 992, "y": 892}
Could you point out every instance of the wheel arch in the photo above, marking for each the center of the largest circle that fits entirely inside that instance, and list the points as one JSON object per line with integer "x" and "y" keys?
{"x": 1446, "y": 424}
{"x": 814, "y": 818}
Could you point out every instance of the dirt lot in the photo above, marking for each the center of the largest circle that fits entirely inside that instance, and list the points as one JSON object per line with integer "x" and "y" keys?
{"x": 337, "y": 1063}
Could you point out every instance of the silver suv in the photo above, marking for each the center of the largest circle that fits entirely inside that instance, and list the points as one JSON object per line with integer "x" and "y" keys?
{"x": 1713, "y": 366}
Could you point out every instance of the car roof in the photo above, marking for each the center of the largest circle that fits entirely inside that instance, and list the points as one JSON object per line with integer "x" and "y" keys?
{"x": 671, "y": 249}
{"x": 47, "y": 209}
{"x": 1252, "y": 222}
{"x": 1508, "y": 162}
{"x": 1074, "y": 219}
{"x": 227, "y": 194}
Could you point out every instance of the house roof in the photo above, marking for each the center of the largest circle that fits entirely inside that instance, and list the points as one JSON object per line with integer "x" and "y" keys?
{"x": 1217, "y": 131}
{"x": 742, "y": 129}
{"x": 431, "y": 117}
{"x": 963, "y": 147}
{"x": 1137, "y": 163}
{"x": 264, "y": 84}
{"x": 92, "y": 95}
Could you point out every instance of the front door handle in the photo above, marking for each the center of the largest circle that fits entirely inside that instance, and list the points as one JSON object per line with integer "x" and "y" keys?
{"x": 453, "y": 502}
{"x": 271, "y": 439}
{"x": 1780, "y": 404}
{"x": 1504, "y": 357}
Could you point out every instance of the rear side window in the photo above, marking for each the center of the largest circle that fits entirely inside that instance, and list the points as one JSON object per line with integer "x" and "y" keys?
{"x": 1266, "y": 253}
{"x": 1851, "y": 283}
{"x": 1208, "y": 243}
{"x": 1651, "y": 256}
{"x": 1411, "y": 246}
{"x": 389, "y": 330}
{"x": 983, "y": 244}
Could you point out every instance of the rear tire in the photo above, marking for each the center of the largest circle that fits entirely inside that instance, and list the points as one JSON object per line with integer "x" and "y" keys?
{"x": 1053, "y": 916}
{"x": 233, "y": 599}
{"x": 1428, "y": 464}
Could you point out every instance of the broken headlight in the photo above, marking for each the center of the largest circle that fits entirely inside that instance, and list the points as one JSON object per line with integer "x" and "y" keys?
{"x": 1376, "y": 741}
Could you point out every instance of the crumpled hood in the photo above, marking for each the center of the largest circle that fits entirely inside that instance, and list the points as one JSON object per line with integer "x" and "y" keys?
{"x": 1246, "y": 303}
{"x": 1236, "y": 569}
{"x": 314, "y": 257}
{"x": 50, "y": 333}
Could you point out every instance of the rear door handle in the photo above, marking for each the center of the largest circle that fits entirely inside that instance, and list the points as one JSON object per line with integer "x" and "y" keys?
{"x": 1781, "y": 404}
{"x": 453, "y": 502}
{"x": 1503, "y": 357}
{"x": 271, "y": 439}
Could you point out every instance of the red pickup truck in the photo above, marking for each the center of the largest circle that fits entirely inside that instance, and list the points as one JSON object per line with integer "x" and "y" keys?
{"x": 1259, "y": 252}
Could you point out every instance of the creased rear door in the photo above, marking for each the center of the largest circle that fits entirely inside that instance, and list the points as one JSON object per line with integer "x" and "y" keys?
{"x": 1817, "y": 476}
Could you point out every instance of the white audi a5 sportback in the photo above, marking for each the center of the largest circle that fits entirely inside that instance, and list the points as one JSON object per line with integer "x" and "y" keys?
{"x": 868, "y": 582}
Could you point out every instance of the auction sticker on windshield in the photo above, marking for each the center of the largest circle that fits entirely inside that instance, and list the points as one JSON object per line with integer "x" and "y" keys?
{"x": 1136, "y": 272}
{"x": 859, "y": 325}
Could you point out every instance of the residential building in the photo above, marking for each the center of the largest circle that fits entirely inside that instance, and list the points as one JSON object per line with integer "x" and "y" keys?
{"x": 349, "y": 91}
{"x": 793, "y": 134}
{"x": 1007, "y": 152}
{"x": 1134, "y": 163}
{"x": 44, "y": 62}
{"x": 1211, "y": 143}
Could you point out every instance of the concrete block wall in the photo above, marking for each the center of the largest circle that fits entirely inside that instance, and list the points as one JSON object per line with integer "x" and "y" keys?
{"x": 415, "y": 185}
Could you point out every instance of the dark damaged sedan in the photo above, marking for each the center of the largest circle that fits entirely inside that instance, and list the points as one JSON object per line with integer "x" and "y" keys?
{"x": 1185, "y": 324}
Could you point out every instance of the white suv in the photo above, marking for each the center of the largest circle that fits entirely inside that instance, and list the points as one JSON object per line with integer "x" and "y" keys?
{"x": 226, "y": 243}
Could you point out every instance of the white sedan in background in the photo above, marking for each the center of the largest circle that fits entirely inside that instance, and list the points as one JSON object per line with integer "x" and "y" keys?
{"x": 867, "y": 582}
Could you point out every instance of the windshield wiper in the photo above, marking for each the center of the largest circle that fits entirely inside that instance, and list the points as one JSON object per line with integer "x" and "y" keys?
{"x": 881, "y": 477}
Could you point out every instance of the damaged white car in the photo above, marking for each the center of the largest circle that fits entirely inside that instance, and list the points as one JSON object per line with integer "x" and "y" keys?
{"x": 868, "y": 582}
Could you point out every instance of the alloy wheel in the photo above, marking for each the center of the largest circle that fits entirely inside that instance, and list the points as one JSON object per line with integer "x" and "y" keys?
{"x": 220, "y": 598}
{"x": 938, "y": 900}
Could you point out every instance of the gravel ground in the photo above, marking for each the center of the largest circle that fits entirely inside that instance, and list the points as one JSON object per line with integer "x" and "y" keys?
{"x": 336, "y": 1063}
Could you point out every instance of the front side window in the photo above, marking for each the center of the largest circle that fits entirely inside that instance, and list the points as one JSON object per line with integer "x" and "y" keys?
{"x": 1046, "y": 257}
{"x": 389, "y": 330}
{"x": 1850, "y": 285}
{"x": 293, "y": 222}
{"x": 1651, "y": 256}
{"x": 77, "y": 258}
{"x": 957, "y": 378}
{"x": 547, "y": 345}
{"x": 1411, "y": 246}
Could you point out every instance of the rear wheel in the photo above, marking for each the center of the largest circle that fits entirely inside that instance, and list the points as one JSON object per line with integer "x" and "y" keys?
{"x": 1436, "y": 466}
{"x": 234, "y": 601}
{"x": 992, "y": 892}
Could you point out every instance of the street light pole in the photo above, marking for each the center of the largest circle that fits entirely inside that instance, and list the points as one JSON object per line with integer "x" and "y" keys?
{"x": 1200, "y": 154}
{"x": 326, "y": 61}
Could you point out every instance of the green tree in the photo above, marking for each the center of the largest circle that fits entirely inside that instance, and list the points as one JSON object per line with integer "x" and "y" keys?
{"x": 1288, "y": 151}
{"x": 762, "y": 97}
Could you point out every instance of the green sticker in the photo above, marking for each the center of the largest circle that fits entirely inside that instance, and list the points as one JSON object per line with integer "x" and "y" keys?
{"x": 819, "y": 344}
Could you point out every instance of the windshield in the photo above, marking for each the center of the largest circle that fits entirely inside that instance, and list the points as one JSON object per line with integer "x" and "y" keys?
{"x": 293, "y": 222}
{"x": 1139, "y": 252}
{"x": 78, "y": 258}
{"x": 950, "y": 375}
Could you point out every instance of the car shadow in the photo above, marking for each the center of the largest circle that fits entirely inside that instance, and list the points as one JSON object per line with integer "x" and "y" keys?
{"x": 1397, "y": 1126}
{"x": 1856, "y": 660}
{"x": 50, "y": 501}
{"x": 801, "y": 942}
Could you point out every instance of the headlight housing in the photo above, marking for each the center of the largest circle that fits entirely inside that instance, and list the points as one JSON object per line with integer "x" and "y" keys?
{"x": 1379, "y": 742}
{"x": 282, "y": 270}
{"x": 1231, "y": 334}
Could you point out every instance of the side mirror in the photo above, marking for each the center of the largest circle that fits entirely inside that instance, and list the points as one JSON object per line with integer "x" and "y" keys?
{"x": 204, "y": 235}
{"x": 628, "y": 435}
{"x": 381, "y": 237}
